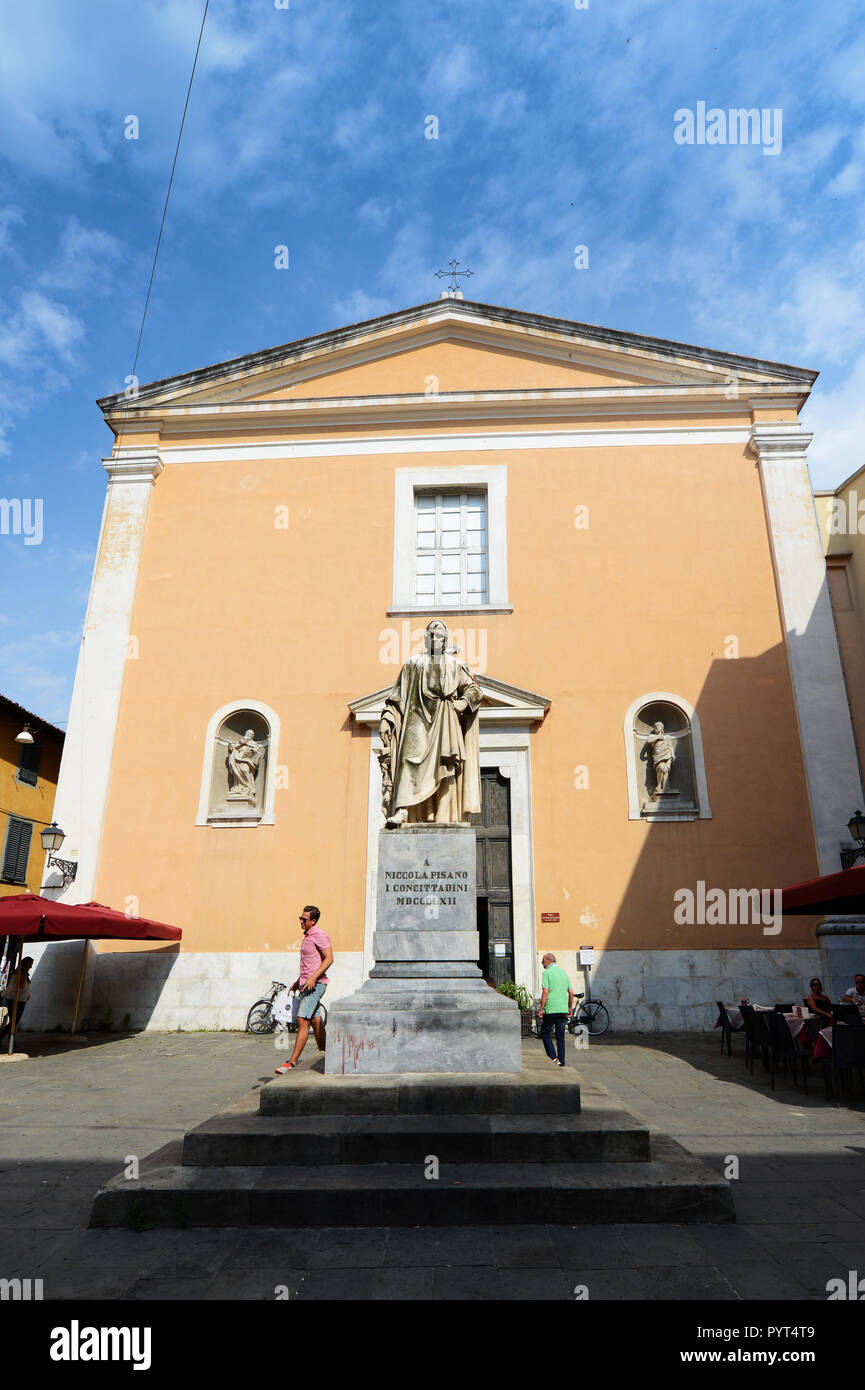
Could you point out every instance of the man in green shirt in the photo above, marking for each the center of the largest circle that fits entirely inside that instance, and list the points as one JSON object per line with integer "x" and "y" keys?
{"x": 557, "y": 1000}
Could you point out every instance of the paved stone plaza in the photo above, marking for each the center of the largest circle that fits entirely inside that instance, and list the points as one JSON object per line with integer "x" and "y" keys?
{"x": 71, "y": 1115}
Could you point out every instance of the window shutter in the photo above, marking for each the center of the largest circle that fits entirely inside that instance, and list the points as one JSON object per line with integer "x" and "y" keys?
{"x": 28, "y": 763}
{"x": 17, "y": 850}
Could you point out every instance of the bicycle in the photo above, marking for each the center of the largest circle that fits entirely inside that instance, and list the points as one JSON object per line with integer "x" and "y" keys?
{"x": 593, "y": 1016}
{"x": 262, "y": 1020}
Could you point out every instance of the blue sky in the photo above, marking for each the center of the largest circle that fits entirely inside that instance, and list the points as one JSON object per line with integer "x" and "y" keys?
{"x": 306, "y": 128}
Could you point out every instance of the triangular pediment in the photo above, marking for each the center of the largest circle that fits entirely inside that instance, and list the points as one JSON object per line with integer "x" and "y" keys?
{"x": 454, "y": 350}
{"x": 502, "y": 704}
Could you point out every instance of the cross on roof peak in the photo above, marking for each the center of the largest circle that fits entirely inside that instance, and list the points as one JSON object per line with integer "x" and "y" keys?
{"x": 453, "y": 290}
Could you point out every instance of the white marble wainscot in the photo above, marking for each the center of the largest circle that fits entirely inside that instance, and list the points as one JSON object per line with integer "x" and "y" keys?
{"x": 163, "y": 990}
{"x": 676, "y": 991}
{"x": 842, "y": 947}
{"x": 53, "y": 984}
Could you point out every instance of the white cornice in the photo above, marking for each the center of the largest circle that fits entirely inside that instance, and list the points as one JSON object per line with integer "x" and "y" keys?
{"x": 133, "y": 466}
{"x": 460, "y": 443}
{"x": 779, "y": 441}
{"x": 558, "y": 403}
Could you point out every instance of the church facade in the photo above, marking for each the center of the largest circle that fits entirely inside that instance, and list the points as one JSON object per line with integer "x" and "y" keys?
{"x": 618, "y": 533}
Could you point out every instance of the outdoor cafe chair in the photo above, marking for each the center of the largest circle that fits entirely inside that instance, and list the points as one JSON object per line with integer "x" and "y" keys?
{"x": 813, "y": 1026}
{"x": 848, "y": 1055}
{"x": 726, "y": 1028}
{"x": 783, "y": 1047}
{"x": 756, "y": 1038}
{"x": 846, "y": 1013}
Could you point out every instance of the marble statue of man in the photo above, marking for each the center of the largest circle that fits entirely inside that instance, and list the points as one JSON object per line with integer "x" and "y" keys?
{"x": 244, "y": 758}
{"x": 429, "y": 758}
{"x": 664, "y": 751}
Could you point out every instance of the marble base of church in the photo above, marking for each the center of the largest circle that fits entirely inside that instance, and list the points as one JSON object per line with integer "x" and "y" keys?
{"x": 647, "y": 991}
{"x": 425, "y": 1007}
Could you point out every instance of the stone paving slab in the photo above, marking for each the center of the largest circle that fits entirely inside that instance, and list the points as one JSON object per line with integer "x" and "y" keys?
{"x": 71, "y": 1115}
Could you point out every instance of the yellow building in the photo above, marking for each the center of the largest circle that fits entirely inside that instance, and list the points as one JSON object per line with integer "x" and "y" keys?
{"x": 619, "y": 532}
{"x": 28, "y": 783}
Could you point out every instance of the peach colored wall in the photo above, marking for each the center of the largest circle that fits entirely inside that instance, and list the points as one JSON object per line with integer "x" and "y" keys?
{"x": 675, "y": 560}
{"x": 454, "y": 364}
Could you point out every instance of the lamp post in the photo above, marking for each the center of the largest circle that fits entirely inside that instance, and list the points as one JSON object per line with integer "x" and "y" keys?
{"x": 52, "y": 838}
{"x": 856, "y": 826}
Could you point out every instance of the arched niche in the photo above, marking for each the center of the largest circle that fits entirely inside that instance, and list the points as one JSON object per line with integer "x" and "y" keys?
{"x": 664, "y": 752}
{"x": 239, "y": 766}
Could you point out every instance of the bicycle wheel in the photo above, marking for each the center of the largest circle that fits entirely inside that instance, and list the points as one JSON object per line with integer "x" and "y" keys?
{"x": 595, "y": 1018}
{"x": 260, "y": 1018}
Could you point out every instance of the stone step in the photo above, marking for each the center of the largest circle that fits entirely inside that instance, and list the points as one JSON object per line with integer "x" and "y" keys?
{"x": 674, "y": 1186}
{"x": 237, "y": 1140}
{"x": 309, "y": 1092}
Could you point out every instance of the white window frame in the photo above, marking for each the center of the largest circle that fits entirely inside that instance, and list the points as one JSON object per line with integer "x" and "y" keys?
{"x": 459, "y": 478}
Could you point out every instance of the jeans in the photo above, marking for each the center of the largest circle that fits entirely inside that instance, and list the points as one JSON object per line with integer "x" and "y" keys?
{"x": 548, "y": 1022}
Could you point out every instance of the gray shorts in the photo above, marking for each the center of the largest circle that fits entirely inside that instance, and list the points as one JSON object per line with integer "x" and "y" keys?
{"x": 309, "y": 1001}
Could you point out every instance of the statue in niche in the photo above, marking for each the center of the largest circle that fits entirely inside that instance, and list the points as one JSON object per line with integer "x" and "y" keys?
{"x": 243, "y": 761}
{"x": 662, "y": 747}
{"x": 429, "y": 759}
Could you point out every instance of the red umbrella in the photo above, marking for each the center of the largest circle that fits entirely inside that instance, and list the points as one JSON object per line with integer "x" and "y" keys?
{"x": 34, "y": 918}
{"x": 843, "y": 891}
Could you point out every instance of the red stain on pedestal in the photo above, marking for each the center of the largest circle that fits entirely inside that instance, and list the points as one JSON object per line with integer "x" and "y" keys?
{"x": 355, "y": 1046}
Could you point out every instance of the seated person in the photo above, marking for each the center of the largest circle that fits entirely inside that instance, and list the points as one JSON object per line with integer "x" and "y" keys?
{"x": 820, "y": 1003}
{"x": 856, "y": 993}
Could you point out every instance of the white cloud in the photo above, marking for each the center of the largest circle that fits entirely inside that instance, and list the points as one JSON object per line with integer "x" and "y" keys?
{"x": 38, "y": 325}
{"x": 375, "y": 211}
{"x": 9, "y": 217}
{"x": 452, "y": 73}
{"x": 837, "y": 419}
{"x": 87, "y": 260}
{"x": 358, "y": 306}
{"x": 29, "y": 680}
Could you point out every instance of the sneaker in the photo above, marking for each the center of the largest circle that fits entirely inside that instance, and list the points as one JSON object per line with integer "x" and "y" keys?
{"x": 286, "y": 1066}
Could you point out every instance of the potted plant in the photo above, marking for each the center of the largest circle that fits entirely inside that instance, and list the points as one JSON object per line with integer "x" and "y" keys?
{"x": 521, "y": 997}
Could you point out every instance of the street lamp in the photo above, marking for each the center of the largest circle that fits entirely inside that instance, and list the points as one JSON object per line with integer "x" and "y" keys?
{"x": 52, "y": 838}
{"x": 25, "y": 735}
{"x": 856, "y": 826}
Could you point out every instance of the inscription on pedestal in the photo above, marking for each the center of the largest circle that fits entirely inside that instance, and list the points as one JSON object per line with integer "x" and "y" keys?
{"x": 427, "y": 879}
{"x": 439, "y": 886}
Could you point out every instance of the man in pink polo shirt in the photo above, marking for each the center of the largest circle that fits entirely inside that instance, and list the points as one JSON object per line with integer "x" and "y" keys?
{"x": 316, "y": 954}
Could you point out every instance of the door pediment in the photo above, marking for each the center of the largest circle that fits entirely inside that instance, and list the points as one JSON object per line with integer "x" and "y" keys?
{"x": 502, "y": 704}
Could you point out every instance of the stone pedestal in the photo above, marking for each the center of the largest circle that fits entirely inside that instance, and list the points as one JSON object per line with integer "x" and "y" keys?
{"x": 425, "y": 1007}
